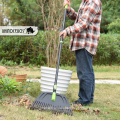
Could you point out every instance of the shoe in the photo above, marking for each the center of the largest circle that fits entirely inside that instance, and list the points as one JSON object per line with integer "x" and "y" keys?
{"x": 77, "y": 102}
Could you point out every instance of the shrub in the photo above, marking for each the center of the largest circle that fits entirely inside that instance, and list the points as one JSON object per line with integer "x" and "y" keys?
{"x": 108, "y": 49}
{"x": 26, "y": 49}
{"x": 114, "y": 27}
{"x": 8, "y": 85}
{"x": 32, "y": 50}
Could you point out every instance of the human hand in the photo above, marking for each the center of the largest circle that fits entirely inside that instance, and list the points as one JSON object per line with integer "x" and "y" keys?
{"x": 67, "y": 2}
{"x": 64, "y": 33}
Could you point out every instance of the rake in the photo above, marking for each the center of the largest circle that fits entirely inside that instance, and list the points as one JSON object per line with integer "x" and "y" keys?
{"x": 52, "y": 101}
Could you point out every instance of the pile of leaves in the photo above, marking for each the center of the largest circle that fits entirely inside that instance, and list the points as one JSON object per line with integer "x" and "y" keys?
{"x": 24, "y": 100}
{"x": 80, "y": 108}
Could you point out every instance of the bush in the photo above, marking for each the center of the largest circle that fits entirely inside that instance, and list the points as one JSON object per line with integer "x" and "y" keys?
{"x": 8, "y": 85}
{"x": 114, "y": 27}
{"x": 26, "y": 49}
{"x": 32, "y": 50}
{"x": 108, "y": 49}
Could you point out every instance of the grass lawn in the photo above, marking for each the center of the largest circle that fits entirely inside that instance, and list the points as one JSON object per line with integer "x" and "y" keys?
{"x": 101, "y": 72}
{"x": 106, "y": 101}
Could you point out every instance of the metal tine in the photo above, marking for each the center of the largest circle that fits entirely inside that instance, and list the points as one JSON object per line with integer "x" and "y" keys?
{"x": 42, "y": 106}
{"x": 48, "y": 107}
{"x": 55, "y": 109}
{"x": 37, "y": 104}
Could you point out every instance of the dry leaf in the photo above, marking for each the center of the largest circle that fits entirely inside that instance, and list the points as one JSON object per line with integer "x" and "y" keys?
{"x": 115, "y": 110}
{"x": 107, "y": 112}
{"x": 97, "y": 111}
{"x": 108, "y": 103}
{"x": 4, "y": 104}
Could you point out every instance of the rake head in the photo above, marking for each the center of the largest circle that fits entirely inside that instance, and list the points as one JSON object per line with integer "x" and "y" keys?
{"x": 44, "y": 102}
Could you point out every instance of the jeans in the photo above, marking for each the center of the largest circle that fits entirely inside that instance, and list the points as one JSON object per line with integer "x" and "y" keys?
{"x": 85, "y": 75}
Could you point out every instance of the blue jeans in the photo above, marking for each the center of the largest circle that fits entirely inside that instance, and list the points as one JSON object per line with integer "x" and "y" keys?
{"x": 85, "y": 75}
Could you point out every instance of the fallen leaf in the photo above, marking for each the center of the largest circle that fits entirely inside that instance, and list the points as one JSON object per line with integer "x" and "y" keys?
{"x": 108, "y": 102}
{"x": 4, "y": 104}
{"x": 107, "y": 112}
{"x": 97, "y": 111}
{"x": 41, "y": 118}
{"x": 86, "y": 110}
{"x": 114, "y": 110}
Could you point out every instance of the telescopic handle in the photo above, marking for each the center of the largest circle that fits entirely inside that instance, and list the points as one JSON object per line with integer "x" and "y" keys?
{"x": 57, "y": 69}
{"x": 56, "y": 76}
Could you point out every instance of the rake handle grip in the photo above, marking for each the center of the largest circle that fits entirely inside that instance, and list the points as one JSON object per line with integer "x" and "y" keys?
{"x": 66, "y": 6}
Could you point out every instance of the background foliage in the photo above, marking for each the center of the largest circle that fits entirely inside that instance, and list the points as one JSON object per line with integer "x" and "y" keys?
{"x": 23, "y": 12}
{"x": 32, "y": 50}
{"x": 28, "y": 12}
{"x": 25, "y": 49}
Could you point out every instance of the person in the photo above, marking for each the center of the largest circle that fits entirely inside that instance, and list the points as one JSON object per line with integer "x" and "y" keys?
{"x": 84, "y": 41}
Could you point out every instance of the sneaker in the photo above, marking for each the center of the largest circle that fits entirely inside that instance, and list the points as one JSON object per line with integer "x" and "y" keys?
{"x": 77, "y": 102}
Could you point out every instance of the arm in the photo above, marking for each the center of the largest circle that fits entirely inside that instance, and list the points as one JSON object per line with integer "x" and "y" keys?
{"x": 70, "y": 11}
{"x": 89, "y": 13}
{"x": 72, "y": 14}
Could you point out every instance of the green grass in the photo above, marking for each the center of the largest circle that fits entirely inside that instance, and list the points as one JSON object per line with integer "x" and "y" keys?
{"x": 101, "y": 72}
{"x": 97, "y": 68}
{"x": 107, "y": 100}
